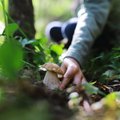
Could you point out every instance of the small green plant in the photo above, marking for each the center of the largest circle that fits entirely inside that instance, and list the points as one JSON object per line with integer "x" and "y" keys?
{"x": 91, "y": 89}
{"x": 105, "y": 67}
{"x": 10, "y": 51}
{"x": 42, "y": 50}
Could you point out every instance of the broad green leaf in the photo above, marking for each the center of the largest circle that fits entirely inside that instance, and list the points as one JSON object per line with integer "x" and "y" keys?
{"x": 11, "y": 28}
{"x": 11, "y": 56}
{"x": 58, "y": 49}
{"x": 90, "y": 89}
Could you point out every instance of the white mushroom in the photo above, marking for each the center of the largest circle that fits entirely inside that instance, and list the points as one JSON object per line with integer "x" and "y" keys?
{"x": 51, "y": 79}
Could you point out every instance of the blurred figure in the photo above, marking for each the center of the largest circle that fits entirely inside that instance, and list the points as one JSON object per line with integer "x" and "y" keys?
{"x": 58, "y": 31}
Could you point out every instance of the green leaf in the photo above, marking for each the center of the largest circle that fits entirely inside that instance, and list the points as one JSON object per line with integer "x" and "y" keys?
{"x": 90, "y": 89}
{"x": 58, "y": 49}
{"x": 108, "y": 73}
{"x": 11, "y": 56}
{"x": 112, "y": 99}
{"x": 11, "y": 28}
{"x": 2, "y": 27}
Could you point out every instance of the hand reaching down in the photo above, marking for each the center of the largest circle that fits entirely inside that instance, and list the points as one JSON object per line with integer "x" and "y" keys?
{"x": 73, "y": 73}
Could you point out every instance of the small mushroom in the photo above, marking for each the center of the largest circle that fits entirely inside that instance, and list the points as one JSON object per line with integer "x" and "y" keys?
{"x": 51, "y": 79}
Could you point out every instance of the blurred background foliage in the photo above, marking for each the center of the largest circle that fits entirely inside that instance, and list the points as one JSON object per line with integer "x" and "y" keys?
{"x": 12, "y": 106}
{"x": 49, "y": 10}
{"x": 46, "y": 11}
{"x": 1, "y": 10}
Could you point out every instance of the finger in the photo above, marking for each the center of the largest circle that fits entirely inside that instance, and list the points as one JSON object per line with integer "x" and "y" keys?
{"x": 77, "y": 79}
{"x": 67, "y": 77}
{"x": 64, "y": 83}
{"x": 70, "y": 72}
{"x": 63, "y": 68}
{"x": 83, "y": 80}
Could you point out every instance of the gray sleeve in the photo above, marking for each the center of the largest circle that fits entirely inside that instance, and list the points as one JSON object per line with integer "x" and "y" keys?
{"x": 92, "y": 18}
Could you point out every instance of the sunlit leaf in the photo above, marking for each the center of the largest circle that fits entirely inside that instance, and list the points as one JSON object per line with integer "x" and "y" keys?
{"x": 110, "y": 99}
{"x": 58, "y": 49}
{"x": 2, "y": 27}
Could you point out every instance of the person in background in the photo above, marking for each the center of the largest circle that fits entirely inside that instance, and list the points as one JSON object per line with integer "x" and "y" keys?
{"x": 58, "y": 31}
{"x": 97, "y": 25}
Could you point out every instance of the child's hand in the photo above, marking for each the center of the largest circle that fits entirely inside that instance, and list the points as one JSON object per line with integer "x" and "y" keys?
{"x": 72, "y": 72}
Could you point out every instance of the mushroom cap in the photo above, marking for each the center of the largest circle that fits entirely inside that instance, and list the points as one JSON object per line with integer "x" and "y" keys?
{"x": 52, "y": 67}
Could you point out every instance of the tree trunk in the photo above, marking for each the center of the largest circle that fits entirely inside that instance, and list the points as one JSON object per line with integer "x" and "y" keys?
{"x": 22, "y": 12}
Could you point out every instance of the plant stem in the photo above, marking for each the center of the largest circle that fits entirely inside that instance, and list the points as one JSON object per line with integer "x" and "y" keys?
{"x": 9, "y": 17}
{"x": 33, "y": 66}
{"x": 5, "y": 19}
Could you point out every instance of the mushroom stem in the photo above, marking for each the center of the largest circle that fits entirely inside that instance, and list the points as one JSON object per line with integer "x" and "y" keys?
{"x": 51, "y": 80}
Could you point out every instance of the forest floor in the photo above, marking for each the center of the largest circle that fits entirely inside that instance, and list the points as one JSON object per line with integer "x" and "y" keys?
{"x": 37, "y": 101}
